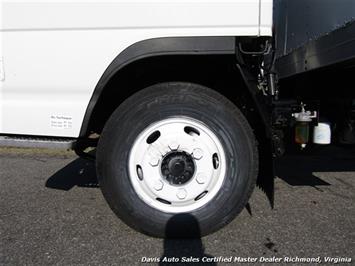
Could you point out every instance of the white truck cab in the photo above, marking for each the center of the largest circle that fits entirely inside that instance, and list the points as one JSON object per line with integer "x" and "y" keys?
{"x": 54, "y": 53}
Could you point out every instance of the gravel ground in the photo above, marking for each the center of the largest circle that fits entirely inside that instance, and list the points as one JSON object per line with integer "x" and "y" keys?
{"x": 52, "y": 212}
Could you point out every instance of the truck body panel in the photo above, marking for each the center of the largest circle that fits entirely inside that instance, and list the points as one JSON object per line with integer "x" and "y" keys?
{"x": 313, "y": 34}
{"x": 53, "y": 53}
{"x": 299, "y": 22}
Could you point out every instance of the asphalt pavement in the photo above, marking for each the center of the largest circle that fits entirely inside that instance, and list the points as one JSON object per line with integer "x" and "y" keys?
{"x": 53, "y": 213}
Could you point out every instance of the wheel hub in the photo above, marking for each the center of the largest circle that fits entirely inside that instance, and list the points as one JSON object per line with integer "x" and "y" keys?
{"x": 178, "y": 167}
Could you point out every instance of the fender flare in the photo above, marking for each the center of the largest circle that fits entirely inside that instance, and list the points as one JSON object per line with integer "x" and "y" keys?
{"x": 158, "y": 47}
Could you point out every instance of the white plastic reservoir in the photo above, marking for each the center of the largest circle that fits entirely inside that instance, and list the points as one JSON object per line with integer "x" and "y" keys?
{"x": 322, "y": 133}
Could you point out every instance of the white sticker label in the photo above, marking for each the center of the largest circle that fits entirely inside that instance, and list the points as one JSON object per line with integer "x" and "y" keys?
{"x": 61, "y": 122}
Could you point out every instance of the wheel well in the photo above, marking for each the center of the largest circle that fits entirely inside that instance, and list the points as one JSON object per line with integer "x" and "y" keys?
{"x": 218, "y": 72}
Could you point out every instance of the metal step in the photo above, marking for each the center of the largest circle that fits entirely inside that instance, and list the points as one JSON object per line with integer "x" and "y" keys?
{"x": 36, "y": 142}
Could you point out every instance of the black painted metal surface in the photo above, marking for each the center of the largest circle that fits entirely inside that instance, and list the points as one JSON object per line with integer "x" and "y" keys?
{"x": 299, "y": 21}
{"x": 337, "y": 47}
{"x": 310, "y": 34}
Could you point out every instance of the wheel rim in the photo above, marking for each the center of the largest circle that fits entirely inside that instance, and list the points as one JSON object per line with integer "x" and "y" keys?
{"x": 177, "y": 165}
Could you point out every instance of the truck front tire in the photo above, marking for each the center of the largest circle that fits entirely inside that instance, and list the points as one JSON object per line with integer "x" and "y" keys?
{"x": 173, "y": 149}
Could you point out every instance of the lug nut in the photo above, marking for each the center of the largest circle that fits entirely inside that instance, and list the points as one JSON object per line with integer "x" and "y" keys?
{"x": 181, "y": 194}
{"x": 174, "y": 146}
{"x": 201, "y": 178}
{"x": 197, "y": 154}
{"x": 158, "y": 185}
{"x": 154, "y": 161}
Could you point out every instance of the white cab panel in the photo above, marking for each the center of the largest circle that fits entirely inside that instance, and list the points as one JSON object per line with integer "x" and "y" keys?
{"x": 266, "y": 7}
{"x": 53, "y": 53}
